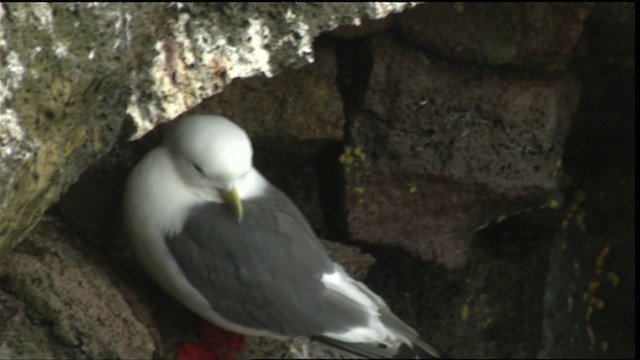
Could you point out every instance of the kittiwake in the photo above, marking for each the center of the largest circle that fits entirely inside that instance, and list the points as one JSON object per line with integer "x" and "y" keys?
{"x": 230, "y": 246}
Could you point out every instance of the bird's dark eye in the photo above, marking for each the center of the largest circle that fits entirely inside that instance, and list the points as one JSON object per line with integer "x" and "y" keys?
{"x": 195, "y": 166}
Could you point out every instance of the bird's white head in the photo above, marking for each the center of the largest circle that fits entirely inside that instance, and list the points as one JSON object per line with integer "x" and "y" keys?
{"x": 210, "y": 151}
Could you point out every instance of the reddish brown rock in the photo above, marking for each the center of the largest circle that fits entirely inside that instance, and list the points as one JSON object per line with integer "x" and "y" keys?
{"x": 66, "y": 305}
{"x": 439, "y": 150}
{"x": 302, "y": 104}
{"x": 538, "y": 35}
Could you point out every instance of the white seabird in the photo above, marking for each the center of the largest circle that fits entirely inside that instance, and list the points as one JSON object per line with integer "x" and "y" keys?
{"x": 230, "y": 246}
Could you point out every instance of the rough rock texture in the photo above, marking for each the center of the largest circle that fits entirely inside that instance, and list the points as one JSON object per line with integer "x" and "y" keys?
{"x": 73, "y": 72}
{"x": 552, "y": 282}
{"x": 67, "y": 301}
{"x": 456, "y": 145}
{"x": 590, "y": 300}
{"x": 611, "y": 28}
{"x": 534, "y": 35}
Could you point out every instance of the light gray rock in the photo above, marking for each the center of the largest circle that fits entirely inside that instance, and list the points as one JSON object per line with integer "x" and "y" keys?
{"x": 73, "y": 72}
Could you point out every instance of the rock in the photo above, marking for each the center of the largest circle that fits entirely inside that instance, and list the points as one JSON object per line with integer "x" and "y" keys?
{"x": 438, "y": 151}
{"x": 611, "y": 28}
{"x": 424, "y": 173}
{"x": 76, "y": 71}
{"x": 534, "y": 35}
{"x": 62, "y": 304}
{"x": 366, "y": 28}
{"x": 590, "y": 296}
{"x": 298, "y": 348}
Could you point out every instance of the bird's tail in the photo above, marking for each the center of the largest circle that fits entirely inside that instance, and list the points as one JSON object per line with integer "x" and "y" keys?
{"x": 418, "y": 350}
{"x": 413, "y": 347}
{"x": 407, "y": 344}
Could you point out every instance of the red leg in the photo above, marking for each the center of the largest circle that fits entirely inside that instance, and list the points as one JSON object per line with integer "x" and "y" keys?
{"x": 220, "y": 338}
{"x": 215, "y": 338}
{"x": 197, "y": 351}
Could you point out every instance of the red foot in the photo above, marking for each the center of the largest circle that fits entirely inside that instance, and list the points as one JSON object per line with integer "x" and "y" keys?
{"x": 215, "y": 338}
{"x": 196, "y": 351}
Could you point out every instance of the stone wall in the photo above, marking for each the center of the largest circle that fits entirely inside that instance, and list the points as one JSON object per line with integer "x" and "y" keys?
{"x": 474, "y": 162}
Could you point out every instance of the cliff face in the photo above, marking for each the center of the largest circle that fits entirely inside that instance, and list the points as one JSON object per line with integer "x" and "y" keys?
{"x": 481, "y": 153}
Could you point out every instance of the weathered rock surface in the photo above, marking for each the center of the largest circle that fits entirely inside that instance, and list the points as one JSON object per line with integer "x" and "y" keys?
{"x": 543, "y": 283}
{"x": 67, "y": 301}
{"x": 456, "y": 145}
{"x": 75, "y": 71}
{"x": 611, "y": 28}
{"x": 534, "y": 35}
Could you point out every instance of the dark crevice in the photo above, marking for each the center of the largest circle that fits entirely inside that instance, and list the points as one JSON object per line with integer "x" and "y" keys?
{"x": 354, "y": 62}
{"x": 331, "y": 190}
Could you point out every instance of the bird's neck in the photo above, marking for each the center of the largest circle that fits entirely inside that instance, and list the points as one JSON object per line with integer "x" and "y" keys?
{"x": 155, "y": 195}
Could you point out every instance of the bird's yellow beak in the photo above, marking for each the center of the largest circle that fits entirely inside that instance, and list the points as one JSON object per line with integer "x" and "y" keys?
{"x": 232, "y": 198}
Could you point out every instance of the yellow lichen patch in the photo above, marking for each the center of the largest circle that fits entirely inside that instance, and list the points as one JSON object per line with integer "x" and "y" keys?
{"x": 570, "y": 303}
{"x": 587, "y": 316}
{"x": 346, "y": 158}
{"x": 483, "y": 226}
{"x": 604, "y": 346}
{"x": 464, "y": 312}
{"x": 592, "y": 336}
{"x": 412, "y": 188}
{"x": 559, "y": 163}
{"x": 596, "y": 302}
{"x": 358, "y": 190}
{"x": 458, "y": 7}
{"x": 576, "y": 267}
{"x": 97, "y": 143}
{"x": 593, "y": 285}
{"x": 554, "y": 203}
{"x": 487, "y": 322}
{"x": 602, "y": 256}
{"x": 74, "y": 141}
{"x": 565, "y": 224}
{"x": 613, "y": 278}
{"x": 580, "y": 220}
{"x": 357, "y": 151}
{"x": 501, "y": 218}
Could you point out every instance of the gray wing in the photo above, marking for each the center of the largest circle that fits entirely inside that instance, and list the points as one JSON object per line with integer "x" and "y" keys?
{"x": 264, "y": 272}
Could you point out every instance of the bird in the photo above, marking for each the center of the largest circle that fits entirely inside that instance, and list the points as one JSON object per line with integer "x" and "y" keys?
{"x": 215, "y": 234}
